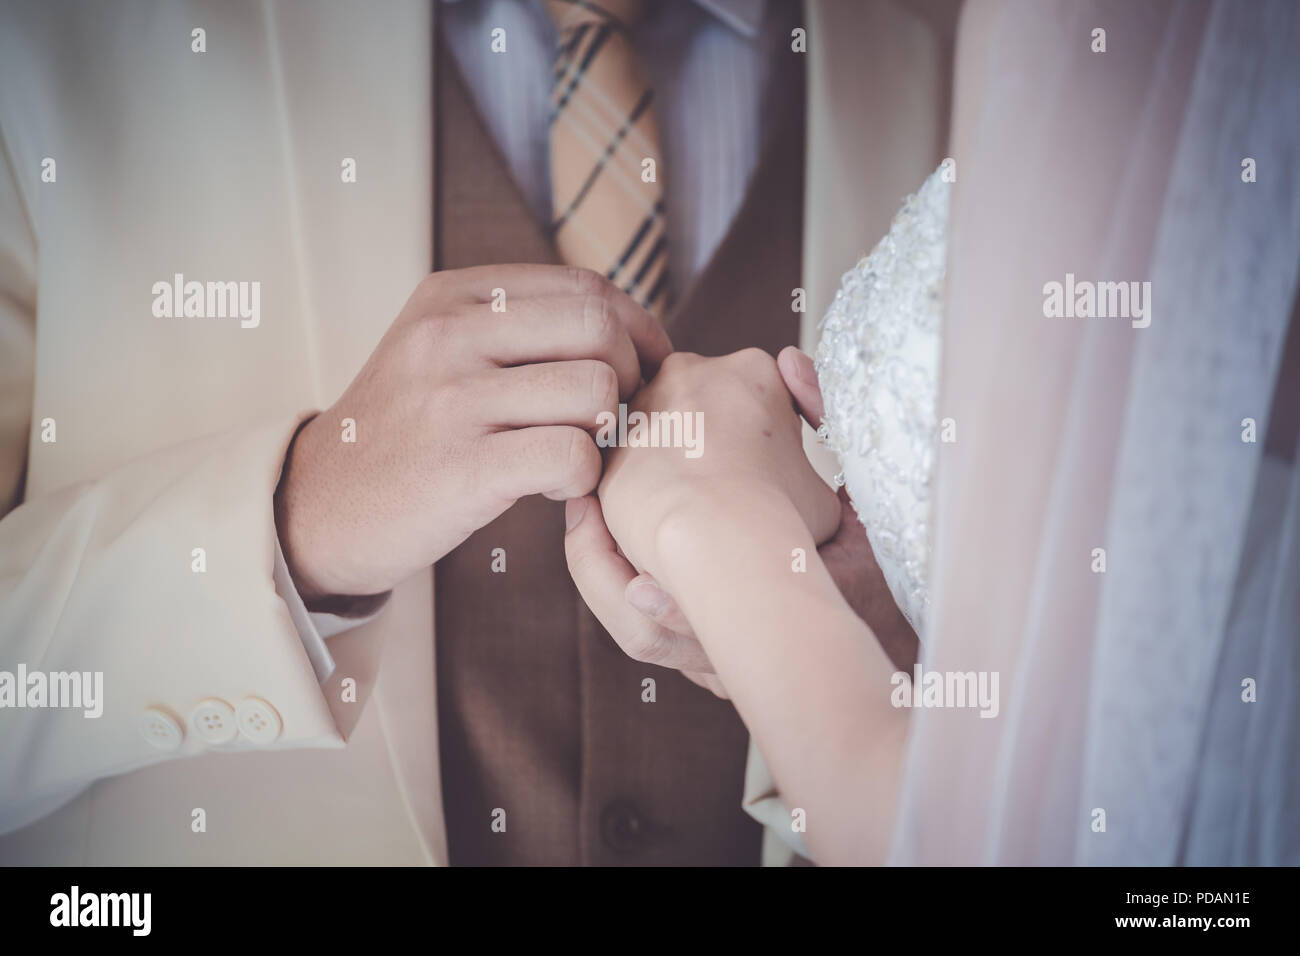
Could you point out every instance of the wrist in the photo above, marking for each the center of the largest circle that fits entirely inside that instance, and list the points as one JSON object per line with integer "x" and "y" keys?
{"x": 711, "y": 523}
{"x": 299, "y": 529}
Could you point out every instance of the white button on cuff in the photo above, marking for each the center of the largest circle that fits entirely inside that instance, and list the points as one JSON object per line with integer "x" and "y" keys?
{"x": 258, "y": 721}
{"x": 214, "y": 721}
{"x": 160, "y": 729}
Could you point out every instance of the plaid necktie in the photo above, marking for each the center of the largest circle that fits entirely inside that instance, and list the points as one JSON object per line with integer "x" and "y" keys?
{"x": 607, "y": 217}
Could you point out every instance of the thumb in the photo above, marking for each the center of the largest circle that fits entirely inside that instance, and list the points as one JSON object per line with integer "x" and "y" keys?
{"x": 801, "y": 379}
{"x": 644, "y": 593}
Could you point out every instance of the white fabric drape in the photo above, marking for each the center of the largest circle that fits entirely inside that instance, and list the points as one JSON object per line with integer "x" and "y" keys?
{"x": 1120, "y": 691}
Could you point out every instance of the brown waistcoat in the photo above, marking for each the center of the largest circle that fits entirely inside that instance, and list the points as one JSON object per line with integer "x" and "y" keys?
{"x": 540, "y": 714}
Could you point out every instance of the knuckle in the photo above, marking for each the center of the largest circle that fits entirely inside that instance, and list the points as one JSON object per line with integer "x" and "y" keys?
{"x": 455, "y": 394}
{"x": 677, "y": 361}
{"x": 649, "y": 646}
{"x": 433, "y": 338}
{"x": 758, "y": 364}
{"x": 580, "y": 560}
{"x": 604, "y": 384}
{"x": 436, "y": 326}
{"x": 599, "y": 321}
{"x": 581, "y": 459}
{"x": 430, "y": 286}
{"x": 586, "y": 281}
{"x": 755, "y": 358}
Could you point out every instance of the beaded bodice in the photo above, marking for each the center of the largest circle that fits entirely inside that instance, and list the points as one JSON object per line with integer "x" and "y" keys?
{"x": 878, "y": 365}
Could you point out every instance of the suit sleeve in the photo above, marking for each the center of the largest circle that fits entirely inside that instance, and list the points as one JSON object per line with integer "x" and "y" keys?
{"x": 131, "y": 602}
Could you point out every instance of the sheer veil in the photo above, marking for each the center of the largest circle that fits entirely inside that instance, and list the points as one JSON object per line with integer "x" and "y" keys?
{"x": 1125, "y": 691}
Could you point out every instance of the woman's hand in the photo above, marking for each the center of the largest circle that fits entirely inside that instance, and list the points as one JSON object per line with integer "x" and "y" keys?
{"x": 646, "y": 621}
{"x": 733, "y": 535}
{"x": 748, "y": 458}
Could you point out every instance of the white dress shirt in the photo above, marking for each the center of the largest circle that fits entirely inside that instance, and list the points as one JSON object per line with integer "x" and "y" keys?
{"x": 708, "y": 63}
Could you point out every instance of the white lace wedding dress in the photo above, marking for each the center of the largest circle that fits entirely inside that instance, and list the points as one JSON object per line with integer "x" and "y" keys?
{"x": 878, "y": 365}
{"x": 1161, "y": 688}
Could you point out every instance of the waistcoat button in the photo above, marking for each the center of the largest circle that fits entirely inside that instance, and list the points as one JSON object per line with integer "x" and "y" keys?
{"x": 623, "y": 828}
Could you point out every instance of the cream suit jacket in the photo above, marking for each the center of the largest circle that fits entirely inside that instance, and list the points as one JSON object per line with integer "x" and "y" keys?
{"x": 170, "y": 433}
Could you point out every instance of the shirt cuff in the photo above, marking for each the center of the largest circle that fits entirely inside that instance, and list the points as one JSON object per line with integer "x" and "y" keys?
{"x": 763, "y": 802}
{"x": 313, "y": 640}
{"x": 314, "y": 627}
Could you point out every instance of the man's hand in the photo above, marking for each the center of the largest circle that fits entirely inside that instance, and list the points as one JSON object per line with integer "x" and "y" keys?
{"x": 459, "y": 412}
{"x": 646, "y": 622}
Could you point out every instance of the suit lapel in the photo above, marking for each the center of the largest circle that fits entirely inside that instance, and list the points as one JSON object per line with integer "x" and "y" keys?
{"x": 879, "y": 77}
{"x": 355, "y": 86}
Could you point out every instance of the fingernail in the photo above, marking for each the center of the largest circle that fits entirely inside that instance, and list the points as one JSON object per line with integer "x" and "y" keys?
{"x": 803, "y": 367}
{"x": 574, "y": 509}
{"x": 647, "y": 597}
{"x": 790, "y": 362}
